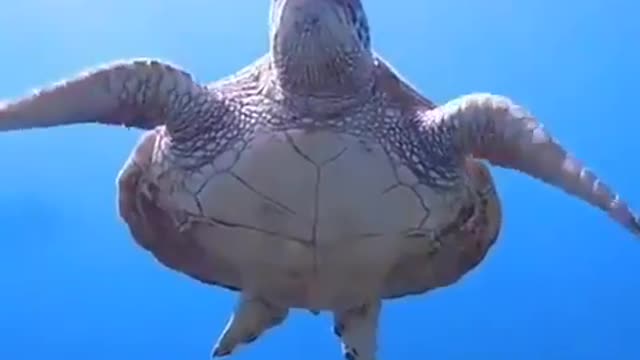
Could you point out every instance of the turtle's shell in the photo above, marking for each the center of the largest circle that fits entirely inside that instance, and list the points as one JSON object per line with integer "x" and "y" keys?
{"x": 311, "y": 219}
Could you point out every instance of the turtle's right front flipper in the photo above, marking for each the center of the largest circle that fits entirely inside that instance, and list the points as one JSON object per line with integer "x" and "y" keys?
{"x": 135, "y": 93}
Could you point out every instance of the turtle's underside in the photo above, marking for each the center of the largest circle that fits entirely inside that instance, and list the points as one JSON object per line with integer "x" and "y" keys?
{"x": 315, "y": 178}
{"x": 345, "y": 209}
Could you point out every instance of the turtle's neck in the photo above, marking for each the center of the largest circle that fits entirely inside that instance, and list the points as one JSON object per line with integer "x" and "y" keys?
{"x": 319, "y": 50}
{"x": 328, "y": 74}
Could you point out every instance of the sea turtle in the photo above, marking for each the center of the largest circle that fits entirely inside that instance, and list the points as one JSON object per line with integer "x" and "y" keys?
{"x": 316, "y": 177}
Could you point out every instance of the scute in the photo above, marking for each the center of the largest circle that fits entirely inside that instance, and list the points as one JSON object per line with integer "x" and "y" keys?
{"x": 455, "y": 249}
{"x": 155, "y": 228}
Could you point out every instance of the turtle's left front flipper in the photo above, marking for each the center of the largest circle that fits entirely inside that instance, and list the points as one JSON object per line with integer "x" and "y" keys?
{"x": 492, "y": 127}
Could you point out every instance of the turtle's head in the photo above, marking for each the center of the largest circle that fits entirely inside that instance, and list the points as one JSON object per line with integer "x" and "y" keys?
{"x": 321, "y": 47}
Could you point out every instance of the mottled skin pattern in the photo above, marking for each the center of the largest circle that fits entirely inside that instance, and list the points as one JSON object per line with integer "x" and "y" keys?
{"x": 314, "y": 178}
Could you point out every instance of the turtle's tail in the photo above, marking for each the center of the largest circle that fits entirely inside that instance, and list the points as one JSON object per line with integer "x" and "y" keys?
{"x": 493, "y": 128}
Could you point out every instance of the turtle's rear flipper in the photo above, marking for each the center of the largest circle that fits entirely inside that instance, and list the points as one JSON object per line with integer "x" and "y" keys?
{"x": 357, "y": 328}
{"x": 251, "y": 318}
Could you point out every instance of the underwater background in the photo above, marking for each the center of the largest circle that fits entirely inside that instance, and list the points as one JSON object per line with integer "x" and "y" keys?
{"x": 563, "y": 281}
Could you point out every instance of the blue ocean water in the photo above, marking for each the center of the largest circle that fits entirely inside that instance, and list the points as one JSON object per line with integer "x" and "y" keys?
{"x": 563, "y": 282}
